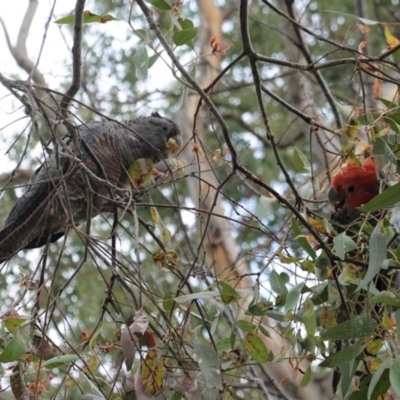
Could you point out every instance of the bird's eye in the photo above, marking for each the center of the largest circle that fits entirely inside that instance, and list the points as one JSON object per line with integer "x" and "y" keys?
{"x": 350, "y": 189}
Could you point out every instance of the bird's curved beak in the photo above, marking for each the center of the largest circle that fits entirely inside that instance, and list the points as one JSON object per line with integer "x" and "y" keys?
{"x": 335, "y": 198}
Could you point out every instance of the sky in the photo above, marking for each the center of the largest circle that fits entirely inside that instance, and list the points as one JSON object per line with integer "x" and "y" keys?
{"x": 54, "y": 51}
{"x": 51, "y": 62}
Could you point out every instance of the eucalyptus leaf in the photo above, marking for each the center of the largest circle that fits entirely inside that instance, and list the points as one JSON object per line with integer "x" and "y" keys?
{"x": 377, "y": 254}
{"x": 343, "y": 244}
{"x": 354, "y": 328}
{"x": 344, "y": 356}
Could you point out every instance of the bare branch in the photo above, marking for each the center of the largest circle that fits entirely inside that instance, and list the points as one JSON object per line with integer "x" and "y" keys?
{"x": 77, "y": 58}
{"x": 17, "y": 177}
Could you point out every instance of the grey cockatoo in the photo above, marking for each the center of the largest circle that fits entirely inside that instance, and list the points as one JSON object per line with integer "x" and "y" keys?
{"x": 57, "y": 195}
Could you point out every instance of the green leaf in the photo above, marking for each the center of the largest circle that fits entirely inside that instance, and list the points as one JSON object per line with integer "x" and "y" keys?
{"x": 266, "y": 206}
{"x": 160, "y": 4}
{"x": 88, "y": 18}
{"x": 228, "y": 293}
{"x": 259, "y": 309}
{"x": 223, "y": 345}
{"x": 256, "y": 348}
{"x": 348, "y": 111}
{"x": 232, "y": 339}
{"x": 394, "y": 375}
{"x": 377, "y": 376}
{"x": 185, "y": 24}
{"x": 355, "y": 328}
{"x": 397, "y": 317}
{"x": 381, "y": 388}
{"x": 209, "y": 365}
{"x": 184, "y": 37}
{"x": 14, "y": 349}
{"x": 374, "y": 346}
{"x": 153, "y": 59}
{"x": 344, "y": 356}
{"x": 198, "y": 295}
{"x": 394, "y": 125}
{"x": 377, "y": 248}
{"x": 141, "y": 60}
{"x": 385, "y": 299}
{"x": 306, "y": 378}
{"x": 322, "y": 266}
{"x": 300, "y": 161}
{"x": 12, "y": 323}
{"x": 93, "y": 339}
{"x": 347, "y": 371}
{"x": 293, "y": 296}
{"x": 387, "y": 198}
{"x": 309, "y": 319}
{"x": 165, "y": 233}
{"x": 343, "y": 244}
{"x": 278, "y": 282}
{"x": 168, "y": 303}
{"x": 382, "y": 148}
{"x": 301, "y": 240}
{"x": 245, "y": 326}
{"x": 275, "y": 315}
{"x": 389, "y": 104}
{"x": 60, "y": 361}
{"x": 350, "y": 274}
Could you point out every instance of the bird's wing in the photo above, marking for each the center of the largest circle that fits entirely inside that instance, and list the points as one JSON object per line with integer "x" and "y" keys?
{"x": 22, "y": 227}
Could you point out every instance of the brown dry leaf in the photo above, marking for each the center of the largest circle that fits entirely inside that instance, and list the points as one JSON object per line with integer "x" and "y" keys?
{"x": 364, "y": 29}
{"x": 153, "y": 372}
{"x": 361, "y": 46}
{"x": 284, "y": 380}
{"x": 25, "y": 282}
{"x": 166, "y": 260}
{"x": 176, "y": 7}
{"x": 149, "y": 336}
{"x": 327, "y": 319}
{"x": 311, "y": 239}
{"x": 373, "y": 364}
{"x": 37, "y": 386}
{"x": 218, "y": 49}
{"x": 366, "y": 146}
{"x": 42, "y": 348}
{"x": 377, "y": 88}
{"x": 196, "y": 148}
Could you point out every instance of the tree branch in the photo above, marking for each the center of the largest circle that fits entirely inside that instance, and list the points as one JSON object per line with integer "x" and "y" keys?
{"x": 77, "y": 59}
